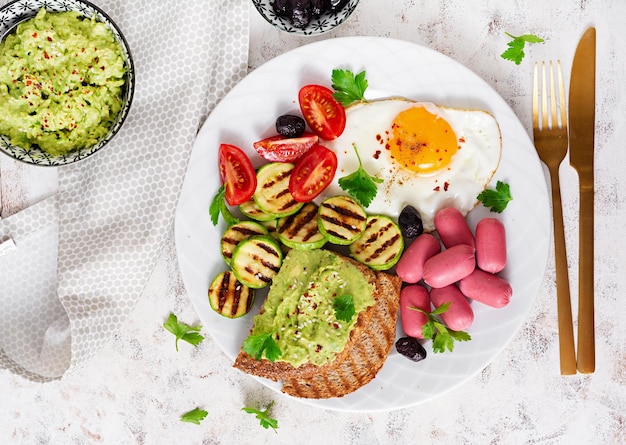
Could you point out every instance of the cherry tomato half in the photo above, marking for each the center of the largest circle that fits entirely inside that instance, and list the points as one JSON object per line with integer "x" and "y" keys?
{"x": 312, "y": 173}
{"x": 281, "y": 149}
{"x": 237, "y": 174}
{"x": 325, "y": 116}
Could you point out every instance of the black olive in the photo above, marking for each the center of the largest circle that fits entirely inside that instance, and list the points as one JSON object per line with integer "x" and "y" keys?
{"x": 317, "y": 7}
{"x": 300, "y": 13}
{"x": 411, "y": 348}
{"x": 290, "y": 126}
{"x": 335, "y": 5}
{"x": 282, "y": 8}
{"x": 410, "y": 222}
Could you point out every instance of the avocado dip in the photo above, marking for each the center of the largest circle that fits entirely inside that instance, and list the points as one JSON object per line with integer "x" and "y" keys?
{"x": 299, "y": 310}
{"x": 61, "y": 78}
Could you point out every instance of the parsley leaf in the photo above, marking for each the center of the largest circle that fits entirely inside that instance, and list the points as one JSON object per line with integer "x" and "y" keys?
{"x": 515, "y": 50}
{"x": 263, "y": 416}
{"x": 359, "y": 184}
{"x": 256, "y": 345}
{"x": 348, "y": 87}
{"x": 218, "y": 206}
{"x": 344, "y": 307}
{"x": 194, "y": 416}
{"x": 443, "y": 338}
{"x": 496, "y": 200}
{"x": 183, "y": 331}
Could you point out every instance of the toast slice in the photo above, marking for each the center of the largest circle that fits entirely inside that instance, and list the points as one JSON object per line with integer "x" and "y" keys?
{"x": 364, "y": 354}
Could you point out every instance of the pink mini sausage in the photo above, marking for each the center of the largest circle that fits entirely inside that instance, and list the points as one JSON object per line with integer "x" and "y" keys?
{"x": 490, "y": 245}
{"x": 413, "y": 321}
{"x": 487, "y": 288}
{"x": 459, "y": 315}
{"x": 411, "y": 266}
{"x": 449, "y": 266}
{"x": 452, "y": 228}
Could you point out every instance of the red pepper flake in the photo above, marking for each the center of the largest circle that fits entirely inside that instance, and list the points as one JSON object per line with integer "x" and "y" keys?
{"x": 49, "y": 39}
{"x": 34, "y": 35}
{"x": 445, "y": 186}
{"x": 462, "y": 140}
{"x": 45, "y": 54}
{"x": 377, "y": 154}
{"x": 436, "y": 189}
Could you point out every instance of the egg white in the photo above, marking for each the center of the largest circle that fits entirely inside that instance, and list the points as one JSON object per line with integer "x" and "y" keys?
{"x": 456, "y": 185}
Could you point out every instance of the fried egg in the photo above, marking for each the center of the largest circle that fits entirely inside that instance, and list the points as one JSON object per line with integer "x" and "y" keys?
{"x": 427, "y": 156}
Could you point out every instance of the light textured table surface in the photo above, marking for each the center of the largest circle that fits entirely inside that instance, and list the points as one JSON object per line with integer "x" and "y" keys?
{"x": 136, "y": 388}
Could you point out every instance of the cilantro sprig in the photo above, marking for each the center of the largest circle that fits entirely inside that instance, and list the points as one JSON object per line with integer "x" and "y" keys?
{"x": 218, "y": 207}
{"x": 443, "y": 338}
{"x": 349, "y": 88}
{"x": 496, "y": 200}
{"x": 344, "y": 307}
{"x": 263, "y": 416}
{"x": 256, "y": 345}
{"x": 359, "y": 184}
{"x": 194, "y": 416}
{"x": 183, "y": 331}
{"x": 515, "y": 50}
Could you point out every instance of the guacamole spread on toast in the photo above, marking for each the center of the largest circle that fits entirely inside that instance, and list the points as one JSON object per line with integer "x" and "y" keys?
{"x": 61, "y": 79}
{"x": 299, "y": 308}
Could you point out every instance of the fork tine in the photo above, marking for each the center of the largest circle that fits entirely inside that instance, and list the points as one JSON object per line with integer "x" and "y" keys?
{"x": 544, "y": 98}
{"x": 554, "y": 115}
{"x": 561, "y": 96}
{"x": 535, "y": 99}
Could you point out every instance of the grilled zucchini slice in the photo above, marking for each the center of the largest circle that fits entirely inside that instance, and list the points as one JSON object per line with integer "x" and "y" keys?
{"x": 272, "y": 193}
{"x": 341, "y": 219}
{"x": 252, "y": 211}
{"x": 256, "y": 260}
{"x": 237, "y": 233}
{"x": 300, "y": 230}
{"x": 381, "y": 244}
{"x": 229, "y": 297}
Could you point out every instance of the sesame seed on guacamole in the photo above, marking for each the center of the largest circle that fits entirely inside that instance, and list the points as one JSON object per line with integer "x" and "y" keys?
{"x": 61, "y": 80}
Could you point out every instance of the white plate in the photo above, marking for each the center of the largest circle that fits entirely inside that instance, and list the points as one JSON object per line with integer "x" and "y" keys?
{"x": 393, "y": 68}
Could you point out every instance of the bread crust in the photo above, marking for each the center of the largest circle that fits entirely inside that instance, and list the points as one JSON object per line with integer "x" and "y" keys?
{"x": 364, "y": 354}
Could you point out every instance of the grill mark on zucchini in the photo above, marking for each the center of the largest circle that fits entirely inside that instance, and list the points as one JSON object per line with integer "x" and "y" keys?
{"x": 278, "y": 178}
{"x": 343, "y": 211}
{"x": 223, "y": 292}
{"x": 298, "y": 221}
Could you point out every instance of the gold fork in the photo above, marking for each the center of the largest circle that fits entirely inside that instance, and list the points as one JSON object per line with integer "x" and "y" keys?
{"x": 551, "y": 142}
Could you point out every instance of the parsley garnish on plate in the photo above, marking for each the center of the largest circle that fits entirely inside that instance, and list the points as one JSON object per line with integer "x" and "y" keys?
{"x": 256, "y": 345}
{"x": 443, "y": 338}
{"x": 360, "y": 184}
{"x": 263, "y": 416}
{"x": 349, "y": 88}
{"x": 183, "y": 331}
{"x": 496, "y": 200}
{"x": 515, "y": 51}
{"x": 218, "y": 206}
{"x": 344, "y": 307}
{"x": 194, "y": 416}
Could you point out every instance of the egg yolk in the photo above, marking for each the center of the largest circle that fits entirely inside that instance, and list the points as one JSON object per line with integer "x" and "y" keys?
{"x": 422, "y": 141}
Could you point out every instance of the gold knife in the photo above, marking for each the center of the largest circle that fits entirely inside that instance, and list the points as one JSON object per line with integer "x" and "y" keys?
{"x": 581, "y": 150}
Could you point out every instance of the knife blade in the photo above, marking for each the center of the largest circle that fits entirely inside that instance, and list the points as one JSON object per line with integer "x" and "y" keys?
{"x": 581, "y": 151}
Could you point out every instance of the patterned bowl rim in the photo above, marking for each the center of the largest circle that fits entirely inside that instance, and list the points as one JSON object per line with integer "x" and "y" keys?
{"x": 326, "y": 22}
{"x": 29, "y": 10}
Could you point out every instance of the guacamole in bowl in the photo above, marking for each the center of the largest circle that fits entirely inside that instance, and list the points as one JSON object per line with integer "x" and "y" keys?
{"x": 66, "y": 82}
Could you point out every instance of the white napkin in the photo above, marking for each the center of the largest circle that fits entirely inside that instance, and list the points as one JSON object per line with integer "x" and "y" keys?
{"x": 82, "y": 257}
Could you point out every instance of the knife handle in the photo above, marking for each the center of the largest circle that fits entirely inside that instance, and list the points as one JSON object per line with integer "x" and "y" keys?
{"x": 567, "y": 352}
{"x": 586, "y": 335}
